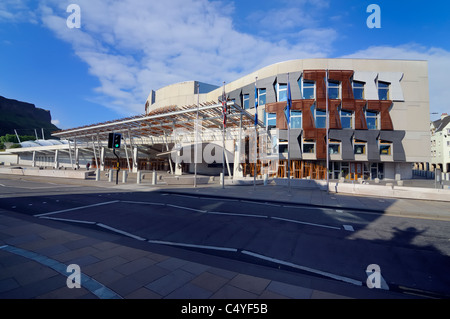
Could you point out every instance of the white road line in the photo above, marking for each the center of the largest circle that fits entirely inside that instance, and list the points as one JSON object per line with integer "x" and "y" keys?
{"x": 349, "y": 228}
{"x": 121, "y": 231}
{"x": 220, "y": 199}
{"x": 188, "y": 208}
{"x": 76, "y": 208}
{"x": 236, "y": 214}
{"x": 188, "y": 196}
{"x": 319, "y": 272}
{"x": 306, "y": 223}
{"x": 69, "y": 220}
{"x": 269, "y": 204}
{"x": 192, "y": 245}
{"x": 257, "y": 203}
{"x": 144, "y": 203}
{"x": 302, "y": 207}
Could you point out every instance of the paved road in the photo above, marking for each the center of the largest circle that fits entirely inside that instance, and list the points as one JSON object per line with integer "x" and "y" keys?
{"x": 339, "y": 243}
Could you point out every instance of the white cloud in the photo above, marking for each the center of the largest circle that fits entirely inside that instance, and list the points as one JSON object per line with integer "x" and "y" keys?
{"x": 135, "y": 46}
{"x": 16, "y": 11}
{"x": 438, "y": 68}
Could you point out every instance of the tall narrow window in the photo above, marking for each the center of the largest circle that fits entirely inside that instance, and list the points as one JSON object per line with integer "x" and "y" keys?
{"x": 282, "y": 92}
{"x": 320, "y": 119}
{"x": 346, "y": 119}
{"x": 296, "y": 119}
{"x": 271, "y": 120}
{"x": 246, "y": 101}
{"x": 333, "y": 90}
{"x": 261, "y": 96}
{"x": 372, "y": 120}
{"x": 358, "y": 90}
{"x": 308, "y": 90}
{"x": 383, "y": 91}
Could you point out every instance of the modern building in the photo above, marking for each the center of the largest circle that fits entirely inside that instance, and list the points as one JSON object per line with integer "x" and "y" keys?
{"x": 377, "y": 117}
{"x": 440, "y": 144}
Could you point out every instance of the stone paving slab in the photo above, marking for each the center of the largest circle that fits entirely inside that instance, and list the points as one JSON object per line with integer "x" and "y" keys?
{"x": 129, "y": 272}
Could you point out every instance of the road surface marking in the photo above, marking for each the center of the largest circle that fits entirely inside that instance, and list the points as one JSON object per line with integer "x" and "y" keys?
{"x": 348, "y": 227}
{"x": 191, "y": 245}
{"x": 306, "y": 223}
{"x": 87, "y": 282}
{"x": 69, "y": 220}
{"x": 188, "y": 208}
{"x": 237, "y": 214}
{"x": 76, "y": 208}
{"x": 120, "y": 231}
{"x": 258, "y": 203}
{"x": 319, "y": 272}
{"x": 144, "y": 203}
{"x": 188, "y": 196}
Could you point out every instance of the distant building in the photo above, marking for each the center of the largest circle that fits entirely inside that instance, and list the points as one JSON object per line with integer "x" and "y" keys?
{"x": 440, "y": 144}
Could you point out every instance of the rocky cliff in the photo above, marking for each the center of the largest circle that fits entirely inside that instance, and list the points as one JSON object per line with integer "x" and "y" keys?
{"x": 23, "y": 116}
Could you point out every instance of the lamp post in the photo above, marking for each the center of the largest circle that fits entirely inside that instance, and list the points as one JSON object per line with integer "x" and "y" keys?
{"x": 195, "y": 137}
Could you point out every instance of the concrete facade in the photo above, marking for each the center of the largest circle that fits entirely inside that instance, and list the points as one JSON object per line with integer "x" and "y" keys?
{"x": 378, "y": 114}
{"x": 407, "y": 131}
{"x": 440, "y": 144}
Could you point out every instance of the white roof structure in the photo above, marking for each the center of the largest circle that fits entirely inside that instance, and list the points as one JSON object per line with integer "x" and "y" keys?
{"x": 164, "y": 121}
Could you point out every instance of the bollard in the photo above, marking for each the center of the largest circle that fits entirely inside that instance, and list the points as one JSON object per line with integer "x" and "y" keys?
{"x": 221, "y": 174}
{"x": 124, "y": 176}
{"x": 154, "y": 179}
{"x": 110, "y": 175}
{"x": 97, "y": 175}
{"x": 266, "y": 178}
{"x": 139, "y": 173}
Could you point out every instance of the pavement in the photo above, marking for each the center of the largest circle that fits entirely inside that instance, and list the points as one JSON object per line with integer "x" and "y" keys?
{"x": 36, "y": 254}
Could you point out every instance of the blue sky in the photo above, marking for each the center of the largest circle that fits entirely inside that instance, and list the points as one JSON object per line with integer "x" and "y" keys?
{"x": 105, "y": 69}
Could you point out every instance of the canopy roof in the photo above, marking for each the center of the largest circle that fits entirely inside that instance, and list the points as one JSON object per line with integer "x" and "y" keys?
{"x": 164, "y": 121}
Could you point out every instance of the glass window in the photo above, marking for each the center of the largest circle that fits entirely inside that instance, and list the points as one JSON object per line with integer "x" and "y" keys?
{"x": 282, "y": 148}
{"x": 358, "y": 90}
{"x": 261, "y": 96}
{"x": 372, "y": 120}
{"x": 346, "y": 119}
{"x": 308, "y": 146}
{"x": 282, "y": 92}
{"x": 246, "y": 101}
{"x": 333, "y": 90}
{"x": 385, "y": 148}
{"x": 308, "y": 90}
{"x": 271, "y": 120}
{"x": 296, "y": 119}
{"x": 274, "y": 149}
{"x": 383, "y": 91}
{"x": 359, "y": 147}
{"x": 334, "y": 147}
{"x": 320, "y": 119}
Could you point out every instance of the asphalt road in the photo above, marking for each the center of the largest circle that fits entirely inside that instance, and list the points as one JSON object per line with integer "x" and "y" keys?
{"x": 412, "y": 254}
